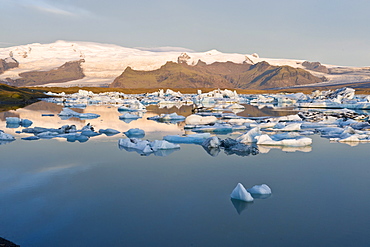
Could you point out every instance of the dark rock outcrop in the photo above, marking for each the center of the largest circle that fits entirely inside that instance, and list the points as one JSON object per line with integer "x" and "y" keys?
{"x": 7, "y": 243}
{"x": 217, "y": 75}
{"x": 8, "y": 63}
{"x": 315, "y": 66}
{"x": 67, "y": 72}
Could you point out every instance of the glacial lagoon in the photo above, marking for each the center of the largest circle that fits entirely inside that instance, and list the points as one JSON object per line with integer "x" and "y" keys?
{"x": 94, "y": 193}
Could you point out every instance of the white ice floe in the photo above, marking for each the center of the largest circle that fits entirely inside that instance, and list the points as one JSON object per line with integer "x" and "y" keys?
{"x": 132, "y": 105}
{"x": 168, "y": 117}
{"x": 249, "y": 136}
{"x": 262, "y": 189}
{"x": 146, "y": 147}
{"x": 66, "y": 112}
{"x": 129, "y": 116}
{"x": 199, "y": 120}
{"x": 240, "y": 193}
{"x": 162, "y": 145}
{"x": 288, "y": 139}
{"x": 192, "y": 138}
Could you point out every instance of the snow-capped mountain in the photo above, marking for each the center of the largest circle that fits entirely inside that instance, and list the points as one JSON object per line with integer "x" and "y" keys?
{"x": 105, "y": 62}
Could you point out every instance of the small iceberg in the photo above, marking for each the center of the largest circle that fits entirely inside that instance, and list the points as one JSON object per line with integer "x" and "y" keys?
{"x": 288, "y": 139}
{"x": 15, "y": 122}
{"x": 67, "y": 113}
{"x": 6, "y": 137}
{"x": 109, "y": 132}
{"x": 172, "y": 118}
{"x": 31, "y": 138}
{"x": 191, "y": 139}
{"x": 129, "y": 116}
{"x": 249, "y": 136}
{"x": 199, "y": 120}
{"x": 138, "y": 133}
{"x": 145, "y": 147}
{"x": 262, "y": 189}
{"x": 240, "y": 193}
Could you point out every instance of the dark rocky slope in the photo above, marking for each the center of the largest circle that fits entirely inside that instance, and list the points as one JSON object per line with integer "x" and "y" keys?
{"x": 67, "y": 72}
{"x": 217, "y": 75}
{"x": 8, "y": 63}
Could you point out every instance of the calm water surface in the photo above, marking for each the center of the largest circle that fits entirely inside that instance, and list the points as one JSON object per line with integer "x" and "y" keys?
{"x": 57, "y": 193}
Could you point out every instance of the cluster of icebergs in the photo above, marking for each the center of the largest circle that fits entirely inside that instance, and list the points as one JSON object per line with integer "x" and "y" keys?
{"x": 211, "y": 119}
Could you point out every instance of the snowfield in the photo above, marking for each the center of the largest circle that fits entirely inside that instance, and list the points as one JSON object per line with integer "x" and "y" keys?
{"x": 104, "y": 62}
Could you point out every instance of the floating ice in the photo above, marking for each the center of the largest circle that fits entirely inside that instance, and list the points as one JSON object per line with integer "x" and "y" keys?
{"x": 6, "y": 137}
{"x": 145, "y": 147}
{"x": 249, "y": 136}
{"x": 109, "y": 132}
{"x": 240, "y": 193}
{"x": 211, "y": 142}
{"x": 129, "y": 116}
{"x": 193, "y": 138}
{"x": 163, "y": 145}
{"x": 15, "y": 122}
{"x": 284, "y": 140}
{"x": 31, "y": 138}
{"x": 262, "y": 189}
{"x": 138, "y": 133}
{"x": 172, "y": 117}
{"x": 199, "y": 120}
{"x": 67, "y": 113}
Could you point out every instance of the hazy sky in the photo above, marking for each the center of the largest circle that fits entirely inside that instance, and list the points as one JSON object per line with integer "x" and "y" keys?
{"x": 330, "y": 31}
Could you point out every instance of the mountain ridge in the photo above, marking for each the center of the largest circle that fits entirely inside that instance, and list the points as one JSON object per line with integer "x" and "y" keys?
{"x": 223, "y": 75}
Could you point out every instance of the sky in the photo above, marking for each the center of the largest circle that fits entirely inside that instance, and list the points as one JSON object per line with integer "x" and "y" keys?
{"x": 331, "y": 31}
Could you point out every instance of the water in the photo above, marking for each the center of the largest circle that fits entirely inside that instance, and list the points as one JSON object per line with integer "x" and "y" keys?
{"x": 57, "y": 193}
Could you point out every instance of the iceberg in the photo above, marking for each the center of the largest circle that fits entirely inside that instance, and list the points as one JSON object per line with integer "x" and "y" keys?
{"x": 172, "y": 117}
{"x": 67, "y": 113}
{"x": 163, "y": 145}
{"x": 249, "y": 136}
{"x": 211, "y": 142}
{"x": 199, "y": 120}
{"x": 262, "y": 189}
{"x": 287, "y": 139}
{"x": 192, "y": 138}
{"x": 232, "y": 146}
{"x": 240, "y": 193}
{"x": 31, "y": 138}
{"x": 145, "y": 147}
{"x": 6, "y": 137}
{"x": 15, "y": 122}
{"x": 109, "y": 132}
{"x": 138, "y": 133}
{"x": 129, "y": 116}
